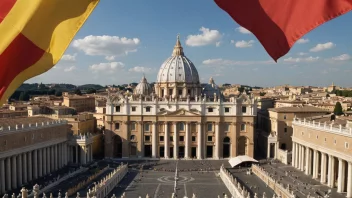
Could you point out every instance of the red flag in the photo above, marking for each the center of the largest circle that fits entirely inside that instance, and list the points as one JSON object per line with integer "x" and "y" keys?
{"x": 278, "y": 24}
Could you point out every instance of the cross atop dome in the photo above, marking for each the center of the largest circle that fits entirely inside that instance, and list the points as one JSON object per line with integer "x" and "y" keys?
{"x": 178, "y": 50}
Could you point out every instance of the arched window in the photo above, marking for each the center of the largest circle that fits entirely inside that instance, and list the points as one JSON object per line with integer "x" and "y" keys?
{"x": 226, "y": 140}
{"x": 181, "y": 126}
{"x": 132, "y": 137}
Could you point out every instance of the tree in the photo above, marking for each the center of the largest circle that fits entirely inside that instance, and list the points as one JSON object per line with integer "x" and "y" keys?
{"x": 338, "y": 109}
{"x": 78, "y": 92}
{"x": 21, "y": 98}
{"x": 58, "y": 93}
{"x": 91, "y": 90}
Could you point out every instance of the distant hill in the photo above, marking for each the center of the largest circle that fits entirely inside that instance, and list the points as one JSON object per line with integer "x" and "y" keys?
{"x": 90, "y": 86}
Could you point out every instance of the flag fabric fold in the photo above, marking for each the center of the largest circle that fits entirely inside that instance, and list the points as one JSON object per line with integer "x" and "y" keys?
{"x": 278, "y": 24}
{"x": 34, "y": 35}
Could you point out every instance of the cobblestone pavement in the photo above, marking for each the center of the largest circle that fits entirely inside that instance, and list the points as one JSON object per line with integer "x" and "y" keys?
{"x": 253, "y": 183}
{"x": 302, "y": 184}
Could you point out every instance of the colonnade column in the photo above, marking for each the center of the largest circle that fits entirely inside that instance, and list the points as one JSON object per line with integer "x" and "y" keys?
{"x": 44, "y": 161}
{"x": 302, "y": 158}
{"x": 24, "y": 169}
{"x": 175, "y": 140}
{"x": 188, "y": 141}
{"x": 154, "y": 140}
{"x": 166, "y": 141}
{"x": 200, "y": 141}
{"x": 14, "y": 172}
{"x": 2, "y": 176}
{"x": 52, "y": 158}
{"x": 293, "y": 154}
{"x": 349, "y": 180}
{"x": 76, "y": 154}
{"x": 323, "y": 169}
{"x": 35, "y": 164}
{"x": 331, "y": 172}
{"x": 276, "y": 148}
{"x": 48, "y": 161}
{"x": 296, "y": 155}
{"x": 341, "y": 177}
{"x": 19, "y": 171}
{"x": 56, "y": 163}
{"x": 308, "y": 161}
{"x": 217, "y": 140}
{"x": 315, "y": 164}
{"x": 268, "y": 150}
{"x": 40, "y": 166}
{"x": 29, "y": 162}
{"x": 8, "y": 173}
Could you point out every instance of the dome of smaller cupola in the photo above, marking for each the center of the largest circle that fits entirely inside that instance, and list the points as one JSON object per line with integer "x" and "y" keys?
{"x": 211, "y": 89}
{"x": 143, "y": 88}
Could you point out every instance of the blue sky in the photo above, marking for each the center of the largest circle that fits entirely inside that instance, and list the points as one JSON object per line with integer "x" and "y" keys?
{"x": 124, "y": 39}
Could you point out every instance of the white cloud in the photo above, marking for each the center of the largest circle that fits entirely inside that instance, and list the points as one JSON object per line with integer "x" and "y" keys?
{"x": 69, "y": 69}
{"x": 224, "y": 62}
{"x": 69, "y": 57}
{"x": 302, "y": 54}
{"x": 110, "y": 58}
{"x": 243, "y": 44}
{"x": 207, "y": 37}
{"x": 243, "y": 30}
{"x": 298, "y": 60}
{"x": 302, "y": 41}
{"x": 217, "y": 44}
{"x": 343, "y": 57}
{"x": 106, "y": 45}
{"x": 140, "y": 69}
{"x": 322, "y": 47}
{"x": 106, "y": 67}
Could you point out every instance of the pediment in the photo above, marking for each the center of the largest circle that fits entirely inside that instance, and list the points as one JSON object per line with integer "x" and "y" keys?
{"x": 180, "y": 112}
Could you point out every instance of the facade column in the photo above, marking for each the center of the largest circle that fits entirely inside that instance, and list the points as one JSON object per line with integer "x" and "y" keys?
{"x": 76, "y": 154}
{"x": 331, "y": 172}
{"x": 175, "y": 140}
{"x": 19, "y": 170}
{"x": 276, "y": 148}
{"x": 166, "y": 142}
{"x": 349, "y": 180}
{"x": 59, "y": 156}
{"x": 52, "y": 158}
{"x": 297, "y": 156}
{"x": 341, "y": 176}
{"x": 140, "y": 145}
{"x": 24, "y": 167}
{"x": 323, "y": 169}
{"x": 154, "y": 141}
{"x": 307, "y": 161}
{"x": 2, "y": 176}
{"x": 14, "y": 172}
{"x": 83, "y": 155}
{"x": 188, "y": 141}
{"x": 8, "y": 173}
{"x": 293, "y": 154}
{"x": 217, "y": 141}
{"x": 44, "y": 161}
{"x": 40, "y": 164}
{"x": 35, "y": 164}
{"x": 55, "y": 157}
{"x": 29, "y": 162}
{"x": 268, "y": 151}
{"x": 200, "y": 140}
{"x": 298, "y": 165}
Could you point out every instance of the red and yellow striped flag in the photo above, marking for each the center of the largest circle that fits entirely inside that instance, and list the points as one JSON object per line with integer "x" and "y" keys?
{"x": 34, "y": 34}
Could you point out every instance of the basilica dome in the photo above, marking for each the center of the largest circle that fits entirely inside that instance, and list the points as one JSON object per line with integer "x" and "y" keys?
{"x": 143, "y": 88}
{"x": 178, "y": 68}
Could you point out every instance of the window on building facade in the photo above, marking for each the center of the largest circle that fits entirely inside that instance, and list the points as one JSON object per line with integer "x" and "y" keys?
{"x": 189, "y": 92}
{"x": 33, "y": 136}
{"x": 285, "y": 129}
{"x": 117, "y": 126}
{"x": 210, "y": 138}
{"x": 132, "y": 137}
{"x": 133, "y": 126}
{"x": 227, "y": 109}
{"x": 5, "y": 142}
{"x": 181, "y": 126}
{"x": 161, "y": 138}
{"x": 335, "y": 142}
{"x": 25, "y": 139}
{"x": 180, "y": 92}
{"x": 147, "y": 138}
{"x": 244, "y": 109}
{"x": 210, "y": 109}
{"x": 146, "y": 127}
{"x": 193, "y": 138}
{"x": 171, "y": 138}
{"x": 162, "y": 93}
{"x": 210, "y": 127}
{"x": 182, "y": 138}
{"x": 243, "y": 127}
{"x": 170, "y": 92}
{"x": 147, "y": 109}
{"x": 227, "y": 127}
{"x": 284, "y": 117}
{"x": 346, "y": 145}
{"x": 133, "y": 109}
{"x": 117, "y": 108}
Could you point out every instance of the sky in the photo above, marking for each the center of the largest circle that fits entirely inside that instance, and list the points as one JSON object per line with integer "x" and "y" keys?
{"x": 122, "y": 40}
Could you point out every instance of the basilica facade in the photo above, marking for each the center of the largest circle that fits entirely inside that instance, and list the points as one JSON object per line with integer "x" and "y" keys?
{"x": 178, "y": 117}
